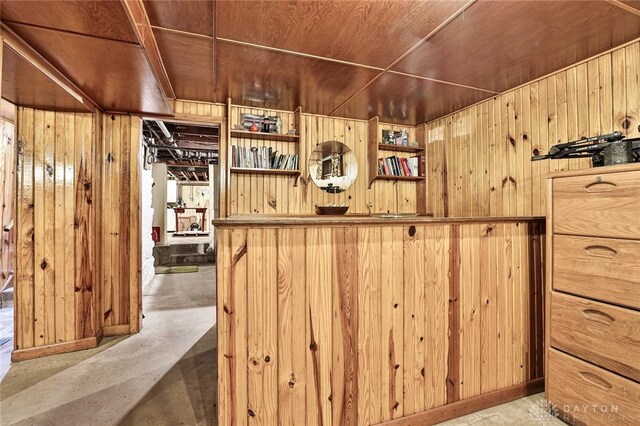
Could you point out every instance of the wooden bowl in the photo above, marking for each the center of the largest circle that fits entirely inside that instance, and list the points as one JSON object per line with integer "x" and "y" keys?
{"x": 331, "y": 210}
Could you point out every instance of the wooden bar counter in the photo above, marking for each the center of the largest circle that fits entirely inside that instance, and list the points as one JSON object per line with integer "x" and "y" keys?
{"x": 364, "y": 320}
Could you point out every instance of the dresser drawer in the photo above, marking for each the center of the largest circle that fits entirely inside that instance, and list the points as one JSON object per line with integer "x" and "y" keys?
{"x": 602, "y": 334}
{"x": 599, "y": 268}
{"x": 591, "y": 395}
{"x": 606, "y": 205}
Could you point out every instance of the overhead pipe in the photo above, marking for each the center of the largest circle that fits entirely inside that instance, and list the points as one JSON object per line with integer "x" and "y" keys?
{"x": 165, "y": 131}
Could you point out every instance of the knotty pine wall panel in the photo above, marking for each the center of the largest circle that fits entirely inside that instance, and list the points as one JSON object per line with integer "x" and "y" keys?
{"x": 55, "y": 293}
{"x": 478, "y": 159}
{"x": 365, "y": 324}
{"x": 120, "y": 228}
{"x": 286, "y": 195}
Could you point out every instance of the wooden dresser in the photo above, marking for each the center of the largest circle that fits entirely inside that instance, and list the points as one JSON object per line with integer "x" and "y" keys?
{"x": 593, "y": 295}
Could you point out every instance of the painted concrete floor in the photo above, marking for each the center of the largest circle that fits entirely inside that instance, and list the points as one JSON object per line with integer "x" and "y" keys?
{"x": 162, "y": 376}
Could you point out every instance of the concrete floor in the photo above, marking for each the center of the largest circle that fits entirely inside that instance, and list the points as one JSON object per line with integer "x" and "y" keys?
{"x": 522, "y": 412}
{"x": 165, "y": 375}
{"x": 162, "y": 376}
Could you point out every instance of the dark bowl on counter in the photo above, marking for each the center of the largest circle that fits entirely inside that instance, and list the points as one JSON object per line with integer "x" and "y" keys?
{"x": 331, "y": 210}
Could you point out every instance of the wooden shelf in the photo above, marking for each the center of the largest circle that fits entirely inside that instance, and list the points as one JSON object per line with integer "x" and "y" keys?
{"x": 248, "y": 170}
{"x": 401, "y": 148}
{"x": 391, "y": 177}
{"x": 264, "y": 136}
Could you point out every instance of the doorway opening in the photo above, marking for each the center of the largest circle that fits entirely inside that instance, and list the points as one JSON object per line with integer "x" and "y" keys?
{"x": 181, "y": 159}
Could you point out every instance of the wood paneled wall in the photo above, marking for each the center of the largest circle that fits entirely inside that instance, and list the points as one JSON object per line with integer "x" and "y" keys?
{"x": 7, "y": 201}
{"x": 479, "y": 158}
{"x": 77, "y": 230}
{"x": 361, "y": 325}
{"x": 121, "y": 251}
{"x": 284, "y": 195}
{"x": 242, "y": 194}
{"x": 56, "y": 297}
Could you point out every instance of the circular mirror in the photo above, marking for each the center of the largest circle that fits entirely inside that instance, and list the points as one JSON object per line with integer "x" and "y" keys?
{"x": 333, "y": 167}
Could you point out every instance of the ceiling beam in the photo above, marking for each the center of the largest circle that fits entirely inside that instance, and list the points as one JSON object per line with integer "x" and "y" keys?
{"x": 30, "y": 55}
{"x": 144, "y": 33}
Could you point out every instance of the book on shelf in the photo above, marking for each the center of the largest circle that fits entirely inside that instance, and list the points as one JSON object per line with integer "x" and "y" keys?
{"x": 400, "y": 166}
{"x": 262, "y": 158}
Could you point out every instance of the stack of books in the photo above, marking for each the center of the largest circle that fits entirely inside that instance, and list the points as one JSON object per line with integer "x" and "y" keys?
{"x": 262, "y": 158}
{"x": 398, "y": 166}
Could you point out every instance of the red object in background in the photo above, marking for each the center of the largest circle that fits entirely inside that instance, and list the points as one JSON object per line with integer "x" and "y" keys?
{"x": 155, "y": 233}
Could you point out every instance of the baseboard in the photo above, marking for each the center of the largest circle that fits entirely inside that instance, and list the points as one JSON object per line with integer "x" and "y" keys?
{"x": 117, "y": 330}
{"x": 468, "y": 406}
{"x": 57, "y": 348}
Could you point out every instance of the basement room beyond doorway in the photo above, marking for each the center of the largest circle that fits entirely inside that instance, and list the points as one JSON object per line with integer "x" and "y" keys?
{"x": 183, "y": 159}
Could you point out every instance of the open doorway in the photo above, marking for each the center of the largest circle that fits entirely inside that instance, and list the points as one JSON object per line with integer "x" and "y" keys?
{"x": 7, "y": 253}
{"x": 181, "y": 159}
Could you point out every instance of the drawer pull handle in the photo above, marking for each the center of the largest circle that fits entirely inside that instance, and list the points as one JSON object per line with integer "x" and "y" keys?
{"x": 598, "y": 316}
{"x": 600, "y": 250}
{"x": 595, "y": 380}
{"x": 600, "y": 186}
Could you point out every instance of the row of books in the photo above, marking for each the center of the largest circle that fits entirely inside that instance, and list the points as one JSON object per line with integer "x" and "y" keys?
{"x": 262, "y": 158}
{"x": 399, "y": 166}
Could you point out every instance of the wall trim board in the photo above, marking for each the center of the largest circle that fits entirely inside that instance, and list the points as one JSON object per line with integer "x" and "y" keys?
{"x": 118, "y": 330}
{"x": 471, "y": 405}
{"x": 55, "y": 349}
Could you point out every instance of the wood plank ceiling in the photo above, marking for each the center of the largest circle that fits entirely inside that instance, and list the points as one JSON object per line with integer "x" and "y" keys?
{"x": 407, "y": 61}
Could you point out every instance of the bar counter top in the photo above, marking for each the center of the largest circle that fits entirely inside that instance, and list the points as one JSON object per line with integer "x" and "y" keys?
{"x": 357, "y": 219}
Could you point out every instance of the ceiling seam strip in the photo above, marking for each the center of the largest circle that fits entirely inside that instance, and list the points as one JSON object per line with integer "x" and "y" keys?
{"x": 214, "y": 54}
{"x": 356, "y": 93}
{"x": 293, "y": 52}
{"x": 140, "y": 28}
{"x": 187, "y": 33}
{"x": 22, "y": 48}
{"x": 131, "y": 43}
{"x": 427, "y": 37}
{"x": 433, "y": 32}
{"x": 443, "y": 81}
{"x": 624, "y": 7}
